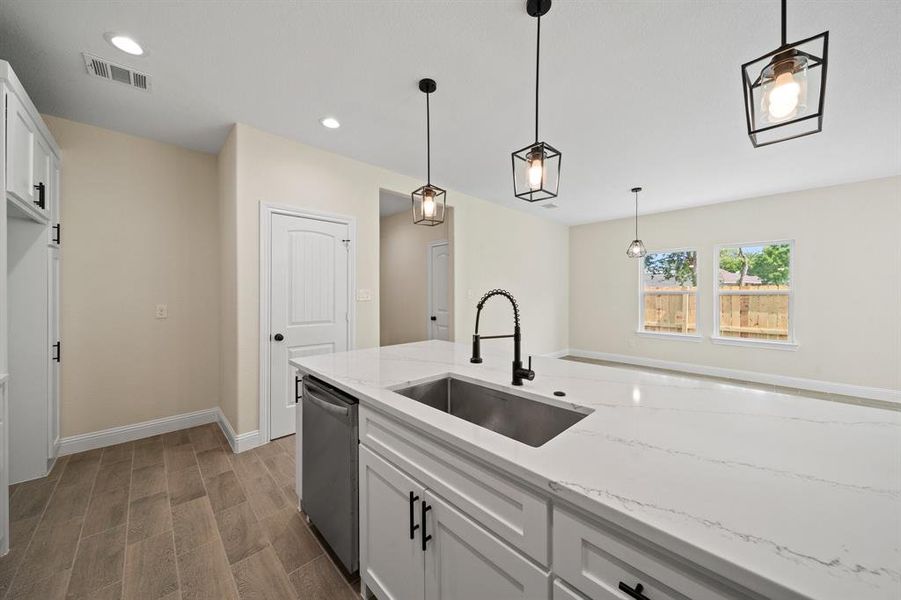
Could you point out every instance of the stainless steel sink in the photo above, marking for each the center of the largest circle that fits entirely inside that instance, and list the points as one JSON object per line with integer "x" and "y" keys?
{"x": 528, "y": 421}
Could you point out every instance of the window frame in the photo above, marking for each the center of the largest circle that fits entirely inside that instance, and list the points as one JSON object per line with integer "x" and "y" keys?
{"x": 792, "y": 342}
{"x": 693, "y": 337}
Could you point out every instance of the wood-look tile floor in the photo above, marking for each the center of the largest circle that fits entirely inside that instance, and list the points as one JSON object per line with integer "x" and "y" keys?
{"x": 172, "y": 516}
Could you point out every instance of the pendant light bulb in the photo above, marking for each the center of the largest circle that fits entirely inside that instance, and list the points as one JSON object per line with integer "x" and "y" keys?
{"x": 428, "y": 204}
{"x": 784, "y": 97}
{"x": 536, "y": 169}
{"x": 636, "y": 249}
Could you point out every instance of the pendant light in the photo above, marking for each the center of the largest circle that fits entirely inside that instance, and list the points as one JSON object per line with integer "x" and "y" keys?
{"x": 784, "y": 89}
{"x": 636, "y": 248}
{"x": 536, "y": 168}
{"x": 429, "y": 201}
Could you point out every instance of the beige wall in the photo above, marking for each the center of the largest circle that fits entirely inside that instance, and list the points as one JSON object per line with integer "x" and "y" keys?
{"x": 228, "y": 278}
{"x": 139, "y": 228}
{"x": 403, "y": 277}
{"x": 495, "y": 247}
{"x": 846, "y": 283}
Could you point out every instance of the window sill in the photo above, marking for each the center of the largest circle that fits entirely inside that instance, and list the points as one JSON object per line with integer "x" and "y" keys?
{"x": 685, "y": 337}
{"x": 750, "y": 343}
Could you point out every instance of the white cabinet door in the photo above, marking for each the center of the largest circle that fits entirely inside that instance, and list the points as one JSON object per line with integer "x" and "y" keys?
{"x": 54, "y": 231}
{"x": 391, "y": 556}
{"x": 464, "y": 561}
{"x": 20, "y": 137}
{"x": 41, "y": 186}
{"x": 55, "y": 356}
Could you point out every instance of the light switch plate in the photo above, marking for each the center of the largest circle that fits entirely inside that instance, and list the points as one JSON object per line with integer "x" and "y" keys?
{"x": 364, "y": 295}
{"x": 162, "y": 311}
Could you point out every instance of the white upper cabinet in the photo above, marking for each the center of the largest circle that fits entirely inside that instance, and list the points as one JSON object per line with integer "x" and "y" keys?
{"x": 20, "y": 152}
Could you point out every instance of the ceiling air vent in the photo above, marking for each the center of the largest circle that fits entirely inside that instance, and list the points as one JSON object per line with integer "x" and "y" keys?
{"x": 112, "y": 72}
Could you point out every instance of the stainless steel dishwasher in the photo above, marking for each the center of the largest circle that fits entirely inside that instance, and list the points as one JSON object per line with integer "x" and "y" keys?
{"x": 330, "y": 457}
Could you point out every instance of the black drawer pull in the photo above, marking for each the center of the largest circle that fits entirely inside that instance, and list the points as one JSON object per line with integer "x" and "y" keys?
{"x": 635, "y": 592}
{"x": 41, "y": 188}
{"x": 413, "y": 527}
{"x": 425, "y": 536}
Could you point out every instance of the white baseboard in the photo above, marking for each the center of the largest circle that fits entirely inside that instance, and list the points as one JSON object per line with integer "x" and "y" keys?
{"x": 129, "y": 433}
{"x": 829, "y": 387}
{"x": 238, "y": 442}
{"x": 558, "y": 353}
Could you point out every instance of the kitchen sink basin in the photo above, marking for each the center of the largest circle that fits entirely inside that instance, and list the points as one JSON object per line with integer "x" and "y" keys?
{"x": 528, "y": 421}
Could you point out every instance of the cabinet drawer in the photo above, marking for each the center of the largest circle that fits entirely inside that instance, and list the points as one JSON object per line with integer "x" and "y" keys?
{"x": 515, "y": 514}
{"x": 596, "y": 560}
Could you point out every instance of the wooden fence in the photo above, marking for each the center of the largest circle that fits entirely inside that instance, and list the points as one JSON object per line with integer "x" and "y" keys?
{"x": 671, "y": 313}
{"x": 674, "y": 310}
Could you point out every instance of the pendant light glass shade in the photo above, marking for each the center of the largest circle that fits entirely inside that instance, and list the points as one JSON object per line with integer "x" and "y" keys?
{"x": 636, "y": 249}
{"x": 429, "y": 201}
{"x": 784, "y": 89}
{"x": 536, "y": 167}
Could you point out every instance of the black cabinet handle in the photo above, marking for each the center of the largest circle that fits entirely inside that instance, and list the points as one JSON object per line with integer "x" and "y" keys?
{"x": 59, "y": 351}
{"x": 41, "y": 188}
{"x": 297, "y": 381}
{"x": 58, "y": 235}
{"x": 635, "y": 592}
{"x": 413, "y": 527}
{"x": 425, "y": 536}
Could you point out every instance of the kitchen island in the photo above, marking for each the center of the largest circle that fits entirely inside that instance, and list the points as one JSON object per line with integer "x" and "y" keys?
{"x": 723, "y": 491}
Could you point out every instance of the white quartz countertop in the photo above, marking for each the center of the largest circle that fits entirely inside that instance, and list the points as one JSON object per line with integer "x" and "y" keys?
{"x": 791, "y": 496}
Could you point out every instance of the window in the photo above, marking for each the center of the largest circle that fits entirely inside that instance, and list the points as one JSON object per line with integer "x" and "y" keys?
{"x": 669, "y": 293}
{"x": 754, "y": 294}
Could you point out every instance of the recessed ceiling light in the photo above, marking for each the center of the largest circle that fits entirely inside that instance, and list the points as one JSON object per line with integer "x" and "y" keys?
{"x": 124, "y": 43}
{"x": 330, "y": 122}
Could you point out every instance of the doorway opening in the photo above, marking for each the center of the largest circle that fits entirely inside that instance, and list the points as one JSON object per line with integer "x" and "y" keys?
{"x": 416, "y": 274}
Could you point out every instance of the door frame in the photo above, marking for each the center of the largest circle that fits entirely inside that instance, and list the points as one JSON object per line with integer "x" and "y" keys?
{"x": 428, "y": 284}
{"x": 267, "y": 211}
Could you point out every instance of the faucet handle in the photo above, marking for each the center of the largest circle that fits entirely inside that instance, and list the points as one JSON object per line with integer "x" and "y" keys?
{"x": 530, "y": 362}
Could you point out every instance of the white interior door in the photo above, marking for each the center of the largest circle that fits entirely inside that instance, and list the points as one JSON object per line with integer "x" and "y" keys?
{"x": 309, "y": 304}
{"x": 439, "y": 313}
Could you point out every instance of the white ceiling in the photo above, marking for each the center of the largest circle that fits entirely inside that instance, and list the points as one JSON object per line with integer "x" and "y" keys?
{"x": 633, "y": 93}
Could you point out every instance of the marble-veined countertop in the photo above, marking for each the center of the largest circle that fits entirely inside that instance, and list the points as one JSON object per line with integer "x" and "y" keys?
{"x": 791, "y": 496}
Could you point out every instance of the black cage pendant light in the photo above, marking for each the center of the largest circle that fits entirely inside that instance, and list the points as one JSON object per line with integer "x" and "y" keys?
{"x": 636, "y": 248}
{"x": 784, "y": 89}
{"x": 536, "y": 168}
{"x": 428, "y": 200}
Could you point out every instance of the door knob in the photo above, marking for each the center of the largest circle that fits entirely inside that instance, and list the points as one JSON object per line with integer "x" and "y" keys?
{"x": 434, "y": 318}
{"x": 279, "y": 337}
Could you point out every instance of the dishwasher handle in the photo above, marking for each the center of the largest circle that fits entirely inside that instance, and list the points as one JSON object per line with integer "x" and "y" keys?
{"x": 335, "y": 409}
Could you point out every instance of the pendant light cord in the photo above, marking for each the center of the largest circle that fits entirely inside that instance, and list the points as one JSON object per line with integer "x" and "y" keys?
{"x": 428, "y": 141}
{"x": 636, "y": 215}
{"x": 537, "y": 58}
{"x": 784, "y": 10}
